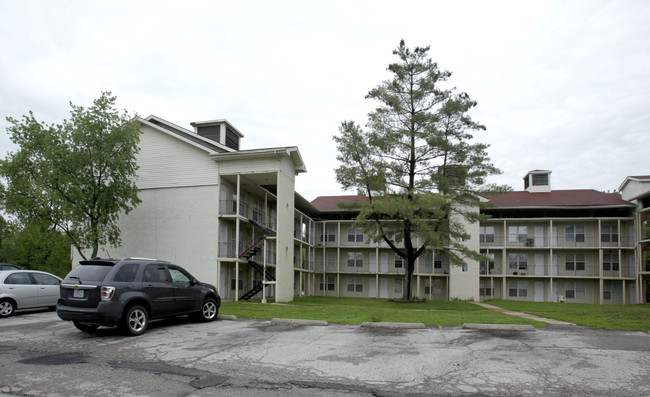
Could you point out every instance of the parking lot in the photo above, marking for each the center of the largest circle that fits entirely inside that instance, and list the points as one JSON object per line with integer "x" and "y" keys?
{"x": 41, "y": 355}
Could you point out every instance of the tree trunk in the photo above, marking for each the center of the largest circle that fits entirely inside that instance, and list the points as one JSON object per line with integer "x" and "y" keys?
{"x": 408, "y": 279}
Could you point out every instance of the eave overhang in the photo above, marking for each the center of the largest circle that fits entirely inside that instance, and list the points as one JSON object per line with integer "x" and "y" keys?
{"x": 292, "y": 152}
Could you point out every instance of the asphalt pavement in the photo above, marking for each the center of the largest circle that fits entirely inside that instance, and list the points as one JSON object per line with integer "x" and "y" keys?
{"x": 41, "y": 355}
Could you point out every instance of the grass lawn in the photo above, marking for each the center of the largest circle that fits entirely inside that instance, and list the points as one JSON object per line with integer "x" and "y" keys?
{"x": 626, "y": 317}
{"x": 356, "y": 311}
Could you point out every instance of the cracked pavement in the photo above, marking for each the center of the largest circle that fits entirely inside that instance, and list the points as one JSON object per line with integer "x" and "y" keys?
{"x": 41, "y": 355}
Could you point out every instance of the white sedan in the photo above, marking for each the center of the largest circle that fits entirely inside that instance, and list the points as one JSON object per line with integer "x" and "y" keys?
{"x": 27, "y": 289}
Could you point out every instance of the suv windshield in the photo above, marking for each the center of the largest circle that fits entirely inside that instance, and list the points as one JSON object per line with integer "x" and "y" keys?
{"x": 90, "y": 272}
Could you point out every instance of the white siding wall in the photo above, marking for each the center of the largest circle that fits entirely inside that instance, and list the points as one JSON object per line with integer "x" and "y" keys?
{"x": 176, "y": 225}
{"x": 464, "y": 281}
{"x": 166, "y": 161}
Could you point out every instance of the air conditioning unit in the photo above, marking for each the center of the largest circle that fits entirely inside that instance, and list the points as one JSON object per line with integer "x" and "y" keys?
{"x": 562, "y": 299}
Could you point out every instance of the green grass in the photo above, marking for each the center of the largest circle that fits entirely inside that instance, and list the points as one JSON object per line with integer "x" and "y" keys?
{"x": 628, "y": 317}
{"x": 357, "y": 311}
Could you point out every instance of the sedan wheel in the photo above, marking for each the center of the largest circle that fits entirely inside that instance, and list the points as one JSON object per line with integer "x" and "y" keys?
{"x": 136, "y": 320}
{"x": 6, "y": 308}
{"x": 209, "y": 310}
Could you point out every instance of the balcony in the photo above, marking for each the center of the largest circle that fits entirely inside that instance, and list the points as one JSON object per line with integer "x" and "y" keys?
{"x": 227, "y": 250}
{"x": 561, "y": 270}
{"x": 427, "y": 269}
{"x": 229, "y": 207}
{"x": 321, "y": 267}
{"x": 496, "y": 241}
{"x": 302, "y": 236}
{"x": 305, "y": 265}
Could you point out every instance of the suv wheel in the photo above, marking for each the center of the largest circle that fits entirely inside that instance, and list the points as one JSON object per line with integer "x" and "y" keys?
{"x": 86, "y": 327}
{"x": 7, "y": 308}
{"x": 209, "y": 310}
{"x": 136, "y": 320}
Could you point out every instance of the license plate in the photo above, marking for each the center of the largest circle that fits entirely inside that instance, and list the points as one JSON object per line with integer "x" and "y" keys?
{"x": 78, "y": 293}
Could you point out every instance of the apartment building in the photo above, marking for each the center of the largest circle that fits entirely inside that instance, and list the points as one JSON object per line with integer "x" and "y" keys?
{"x": 559, "y": 245}
{"x": 232, "y": 217}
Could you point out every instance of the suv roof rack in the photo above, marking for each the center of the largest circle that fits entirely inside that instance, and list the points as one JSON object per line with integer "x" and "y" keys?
{"x": 135, "y": 258}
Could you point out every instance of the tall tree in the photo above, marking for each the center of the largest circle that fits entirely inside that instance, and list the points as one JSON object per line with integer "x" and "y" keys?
{"x": 77, "y": 176}
{"x": 417, "y": 162}
{"x": 41, "y": 247}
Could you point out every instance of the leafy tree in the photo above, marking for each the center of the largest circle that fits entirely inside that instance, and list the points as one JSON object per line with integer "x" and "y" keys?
{"x": 417, "y": 162}
{"x": 77, "y": 176}
{"x": 41, "y": 247}
{"x": 7, "y": 231}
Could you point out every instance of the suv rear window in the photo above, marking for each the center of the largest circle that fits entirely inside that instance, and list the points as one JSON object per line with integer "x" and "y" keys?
{"x": 90, "y": 272}
{"x": 126, "y": 273}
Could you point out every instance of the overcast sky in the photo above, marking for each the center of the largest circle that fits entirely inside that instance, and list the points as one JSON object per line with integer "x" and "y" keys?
{"x": 560, "y": 85}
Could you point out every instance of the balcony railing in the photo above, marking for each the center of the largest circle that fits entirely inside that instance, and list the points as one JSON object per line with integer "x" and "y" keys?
{"x": 227, "y": 250}
{"x": 299, "y": 235}
{"x": 560, "y": 270}
{"x": 229, "y": 207}
{"x": 325, "y": 268}
{"x": 555, "y": 242}
{"x": 305, "y": 264}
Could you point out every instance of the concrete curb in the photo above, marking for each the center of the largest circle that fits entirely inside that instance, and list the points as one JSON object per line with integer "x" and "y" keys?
{"x": 394, "y": 325}
{"x": 504, "y": 327}
{"x": 227, "y": 317}
{"x": 289, "y": 321}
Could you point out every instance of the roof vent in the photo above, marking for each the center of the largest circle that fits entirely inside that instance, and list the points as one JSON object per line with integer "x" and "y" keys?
{"x": 537, "y": 181}
{"x": 219, "y": 131}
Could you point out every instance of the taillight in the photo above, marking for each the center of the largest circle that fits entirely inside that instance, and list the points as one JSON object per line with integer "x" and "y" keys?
{"x": 107, "y": 293}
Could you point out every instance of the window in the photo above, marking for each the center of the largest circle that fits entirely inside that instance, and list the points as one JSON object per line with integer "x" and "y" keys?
{"x": 329, "y": 235}
{"x": 232, "y": 284}
{"x": 355, "y": 235}
{"x": 328, "y": 283}
{"x": 355, "y": 284}
{"x": 428, "y": 261}
{"x": 18, "y": 278}
{"x": 399, "y": 261}
{"x": 126, "y": 273}
{"x": 518, "y": 288}
{"x": 45, "y": 279}
{"x": 609, "y": 233}
{"x": 575, "y": 262}
{"x": 355, "y": 259}
{"x": 178, "y": 276}
{"x": 610, "y": 262}
{"x": 437, "y": 262}
{"x": 399, "y": 286}
{"x": 612, "y": 290}
{"x": 485, "y": 288}
{"x": 155, "y": 274}
{"x": 574, "y": 234}
{"x": 574, "y": 290}
{"x": 486, "y": 234}
{"x": 487, "y": 267}
{"x": 518, "y": 261}
{"x": 517, "y": 234}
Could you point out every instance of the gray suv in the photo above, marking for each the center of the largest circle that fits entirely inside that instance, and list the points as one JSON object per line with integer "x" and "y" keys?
{"x": 130, "y": 292}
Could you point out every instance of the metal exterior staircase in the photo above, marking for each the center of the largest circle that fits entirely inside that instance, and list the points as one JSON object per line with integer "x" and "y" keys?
{"x": 251, "y": 252}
